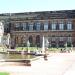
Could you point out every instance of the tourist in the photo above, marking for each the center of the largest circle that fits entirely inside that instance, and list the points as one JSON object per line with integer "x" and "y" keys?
{"x": 45, "y": 57}
{"x": 46, "y": 53}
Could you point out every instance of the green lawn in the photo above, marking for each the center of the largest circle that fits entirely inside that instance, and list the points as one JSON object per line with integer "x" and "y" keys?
{"x": 31, "y": 49}
{"x": 4, "y": 73}
{"x": 35, "y": 48}
{"x": 25, "y": 48}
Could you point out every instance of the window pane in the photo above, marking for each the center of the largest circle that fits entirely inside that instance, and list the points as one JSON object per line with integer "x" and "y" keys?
{"x": 42, "y": 26}
{"x": 69, "y": 26}
{"x": 53, "y": 26}
{"x": 24, "y": 26}
{"x": 30, "y": 26}
{"x": 46, "y": 26}
{"x": 38, "y": 26}
{"x": 61, "y": 26}
{"x": 27, "y": 26}
{"x": 34, "y": 26}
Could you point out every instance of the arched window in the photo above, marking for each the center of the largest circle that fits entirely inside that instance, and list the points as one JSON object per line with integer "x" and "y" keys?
{"x": 30, "y": 39}
{"x": 38, "y": 40}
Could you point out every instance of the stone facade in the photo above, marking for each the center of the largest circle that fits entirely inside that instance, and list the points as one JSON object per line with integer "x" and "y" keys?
{"x": 58, "y": 28}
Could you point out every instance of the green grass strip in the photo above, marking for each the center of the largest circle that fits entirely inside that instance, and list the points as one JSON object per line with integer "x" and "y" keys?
{"x": 4, "y": 73}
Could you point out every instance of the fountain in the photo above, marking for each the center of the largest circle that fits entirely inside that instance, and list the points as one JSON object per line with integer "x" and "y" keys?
{"x": 16, "y": 58}
{"x": 28, "y": 45}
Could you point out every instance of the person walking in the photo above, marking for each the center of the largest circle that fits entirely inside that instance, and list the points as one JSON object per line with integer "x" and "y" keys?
{"x": 45, "y": 55}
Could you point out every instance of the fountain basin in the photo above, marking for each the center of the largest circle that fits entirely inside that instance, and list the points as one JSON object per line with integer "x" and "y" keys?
{"x": 24, "y": 62}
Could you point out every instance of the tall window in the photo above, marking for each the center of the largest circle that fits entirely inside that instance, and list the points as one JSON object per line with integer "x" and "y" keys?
{"x": 69, "y": 25}
{"x": 34, "y": 26}
{"x": 49, "y": 26}
{"x": 53, "y": 26}
{"x": 46, "y": 26}
{"x": 65, "y": 26}
{"x": 27, "y": 26}
{"x": 38, "y": 26}
{"x": 42, "y": 26}
{"x": 57, "y": 26}
{"x": 24, "y": 26}
{"x": 61, "y": 26}
{"x": 31, "y": 27}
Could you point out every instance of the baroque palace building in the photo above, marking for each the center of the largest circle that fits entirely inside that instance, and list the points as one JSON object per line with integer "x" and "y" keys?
{"x": 58, "y": 28}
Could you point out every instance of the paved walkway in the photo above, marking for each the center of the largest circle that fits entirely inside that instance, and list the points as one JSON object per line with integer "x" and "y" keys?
{"x": 57, "y": 64}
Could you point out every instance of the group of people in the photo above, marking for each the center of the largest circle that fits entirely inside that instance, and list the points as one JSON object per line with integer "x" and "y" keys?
{"x": 66, "y": 50}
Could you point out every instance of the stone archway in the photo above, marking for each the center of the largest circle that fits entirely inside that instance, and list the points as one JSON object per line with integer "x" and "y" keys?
{"x": 31, "y": 40}
{"x": 38, "y": 40}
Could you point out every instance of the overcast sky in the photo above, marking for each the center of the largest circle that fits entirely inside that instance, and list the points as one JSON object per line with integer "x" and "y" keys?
{"x": 17, "y": 6}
